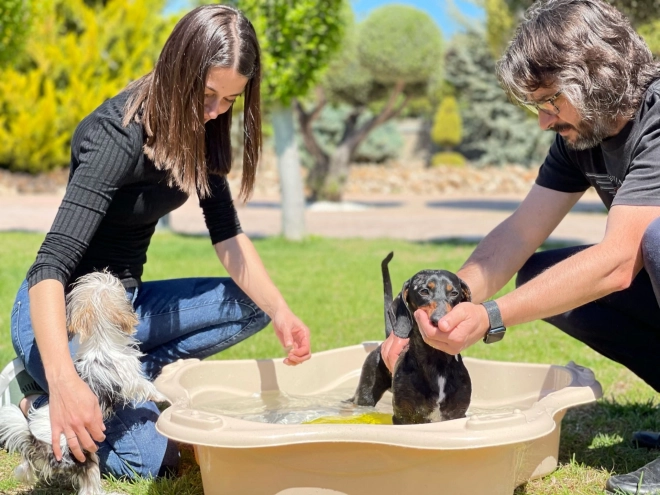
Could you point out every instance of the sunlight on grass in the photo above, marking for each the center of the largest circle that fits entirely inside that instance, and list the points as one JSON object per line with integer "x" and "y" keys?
{"x": 335, "y": 287}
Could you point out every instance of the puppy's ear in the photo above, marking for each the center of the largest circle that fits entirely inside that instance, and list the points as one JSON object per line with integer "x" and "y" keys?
{"x": 466, "y": 294}
{"x": 403, "y": 318}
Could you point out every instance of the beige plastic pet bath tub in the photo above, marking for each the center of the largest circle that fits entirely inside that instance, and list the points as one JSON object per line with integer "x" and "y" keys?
{"x": 512, "y": 437}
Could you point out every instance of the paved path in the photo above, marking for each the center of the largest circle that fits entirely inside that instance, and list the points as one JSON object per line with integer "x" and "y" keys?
{"x": 403, "y": 217}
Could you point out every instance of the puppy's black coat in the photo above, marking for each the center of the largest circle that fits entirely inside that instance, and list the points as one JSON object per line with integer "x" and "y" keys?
{"x": 427, "y": 385}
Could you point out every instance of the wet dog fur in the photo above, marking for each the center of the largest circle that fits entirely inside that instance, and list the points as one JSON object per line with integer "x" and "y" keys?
{"x": 427, "y": 385}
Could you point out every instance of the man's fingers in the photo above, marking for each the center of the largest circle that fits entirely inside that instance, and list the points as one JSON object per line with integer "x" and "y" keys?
{"x": 452, "y": 319}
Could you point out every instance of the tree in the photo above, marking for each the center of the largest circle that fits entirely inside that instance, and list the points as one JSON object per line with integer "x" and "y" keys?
{"x": 495, "y": 130}
{"x": 76, "y": 57}
{"x": 384, "y": 61}
{"x": 15, "y": 21}
{"x": 298, "y": 39}
{"x": 500, "y": 24}
{"x": 640, "y": 12}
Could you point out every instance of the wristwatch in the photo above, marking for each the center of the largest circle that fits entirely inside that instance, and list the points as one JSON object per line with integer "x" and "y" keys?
{"x": 497, "y": 329}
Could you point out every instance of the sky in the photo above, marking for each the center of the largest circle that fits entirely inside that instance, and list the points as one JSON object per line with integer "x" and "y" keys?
{"x": 439, "y": 10}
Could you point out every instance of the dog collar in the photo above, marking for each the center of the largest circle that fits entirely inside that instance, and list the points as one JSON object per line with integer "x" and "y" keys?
{"x": 497, "y": 329}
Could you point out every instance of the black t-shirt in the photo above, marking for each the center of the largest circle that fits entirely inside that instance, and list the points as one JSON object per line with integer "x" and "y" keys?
{"x": 113, "y": 201}
{"x": 624, "y": 169}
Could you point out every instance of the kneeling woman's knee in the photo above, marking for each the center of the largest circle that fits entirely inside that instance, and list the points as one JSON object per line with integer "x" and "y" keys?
{"x": 133, "y": 448}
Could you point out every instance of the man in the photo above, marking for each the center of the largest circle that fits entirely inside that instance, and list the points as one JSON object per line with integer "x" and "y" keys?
{"x": 592, "y": 80}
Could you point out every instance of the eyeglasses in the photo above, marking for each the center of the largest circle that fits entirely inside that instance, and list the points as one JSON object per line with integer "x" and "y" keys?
{"x": 547, "y": 106}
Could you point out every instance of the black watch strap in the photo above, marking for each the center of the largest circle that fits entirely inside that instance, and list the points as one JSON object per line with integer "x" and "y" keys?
{"x": 497, "y": 329}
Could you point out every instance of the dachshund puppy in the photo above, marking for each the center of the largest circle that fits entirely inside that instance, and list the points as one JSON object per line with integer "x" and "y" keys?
{"x": 427, "y": 385}
{"x": 102, "y": 319}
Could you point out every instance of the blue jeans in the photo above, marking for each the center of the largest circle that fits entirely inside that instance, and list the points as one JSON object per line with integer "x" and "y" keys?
{"x": 178, "y": 319}
{"x": 623, "y": 326}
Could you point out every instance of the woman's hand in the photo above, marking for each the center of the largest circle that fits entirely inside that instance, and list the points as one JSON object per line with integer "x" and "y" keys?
{"x": 75, "y": 413}
{"x": 294, "y": 336}
{"x": 390, "y": 350}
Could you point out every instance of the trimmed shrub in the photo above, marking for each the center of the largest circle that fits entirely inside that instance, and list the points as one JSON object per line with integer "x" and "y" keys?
{"x": 495, "y": 130}
{"x": 448, "y": 158}
{"x": 447, "y": 128}
{"x": 398, "y": 42}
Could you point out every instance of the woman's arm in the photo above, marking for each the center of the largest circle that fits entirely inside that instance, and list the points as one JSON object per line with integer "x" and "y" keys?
{"x": 245, "y": 267}
{"x": 74, "y": 409}
{"x": 103, "y": 155}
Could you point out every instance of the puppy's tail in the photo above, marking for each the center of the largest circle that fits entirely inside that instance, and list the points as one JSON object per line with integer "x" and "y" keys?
{"x": 387, "y": 294}
{"x": 97, "y": 307}
{"x": 15, "y": 435}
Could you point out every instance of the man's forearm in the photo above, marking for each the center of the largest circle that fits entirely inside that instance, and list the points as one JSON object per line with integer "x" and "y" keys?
{"x": 504, "y": 251}
{"x": 496, "y": 259}
{"x": 588, "y": 275}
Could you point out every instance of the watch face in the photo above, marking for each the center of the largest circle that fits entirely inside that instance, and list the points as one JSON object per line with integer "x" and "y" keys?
{"x": 494, "y": 335}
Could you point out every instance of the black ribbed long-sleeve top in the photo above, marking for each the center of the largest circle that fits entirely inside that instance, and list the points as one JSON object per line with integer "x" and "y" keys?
{"x": 113, "y": 201}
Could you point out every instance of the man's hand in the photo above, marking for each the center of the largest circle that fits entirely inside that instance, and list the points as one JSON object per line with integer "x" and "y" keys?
{"x": 390, "y": 350}
{"x": 293, "y": 335}
{"x": 463, "y": 326}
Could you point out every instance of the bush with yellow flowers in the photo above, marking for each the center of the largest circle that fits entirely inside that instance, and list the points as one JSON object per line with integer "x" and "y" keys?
{"x": 76, "y": 56}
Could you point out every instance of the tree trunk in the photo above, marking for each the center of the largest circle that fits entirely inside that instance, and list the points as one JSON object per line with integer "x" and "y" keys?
{"x": 321, "y": 164}
{"x": 332, "y": 187}
{"x": 335, "y": 180}
{"x": 288, "y": 165}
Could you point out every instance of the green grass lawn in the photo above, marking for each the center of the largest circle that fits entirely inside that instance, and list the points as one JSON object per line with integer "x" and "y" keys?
{"x": 335, "y": 287}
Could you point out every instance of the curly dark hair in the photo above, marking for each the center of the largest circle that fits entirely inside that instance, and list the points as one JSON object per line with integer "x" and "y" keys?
{"x": 586, "y": 49}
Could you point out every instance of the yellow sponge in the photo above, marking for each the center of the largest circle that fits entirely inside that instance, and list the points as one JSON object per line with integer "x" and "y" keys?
{"x": 375, "y": 418}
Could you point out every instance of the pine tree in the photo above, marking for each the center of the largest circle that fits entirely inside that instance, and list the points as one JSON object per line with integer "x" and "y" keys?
{"x": 495, "y": 130}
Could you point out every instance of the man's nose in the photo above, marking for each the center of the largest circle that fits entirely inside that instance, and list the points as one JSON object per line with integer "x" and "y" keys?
{"x": 546, "y": 120}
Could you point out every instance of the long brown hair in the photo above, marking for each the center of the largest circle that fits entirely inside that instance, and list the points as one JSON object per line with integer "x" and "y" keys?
{"x": 169, "y": 101}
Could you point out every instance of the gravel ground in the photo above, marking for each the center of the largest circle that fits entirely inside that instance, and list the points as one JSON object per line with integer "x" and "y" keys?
{"x": 365, "y": 179}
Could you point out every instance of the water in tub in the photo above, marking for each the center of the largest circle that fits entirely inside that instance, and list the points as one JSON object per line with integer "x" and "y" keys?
{"x": 329, "y": 407}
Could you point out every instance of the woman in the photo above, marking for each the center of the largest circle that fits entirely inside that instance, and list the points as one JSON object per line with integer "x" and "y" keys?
{"x": 137, "y": 157}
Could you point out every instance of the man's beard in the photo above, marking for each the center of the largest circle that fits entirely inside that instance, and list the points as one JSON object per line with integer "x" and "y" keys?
{"x": 589, "y": 134}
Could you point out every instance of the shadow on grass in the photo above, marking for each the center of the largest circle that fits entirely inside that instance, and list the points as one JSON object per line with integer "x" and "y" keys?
{"x": 599, "y": 436}
{"x": 188, "y": 480}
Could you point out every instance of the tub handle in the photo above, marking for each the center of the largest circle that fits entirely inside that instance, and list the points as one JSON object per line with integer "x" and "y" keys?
{"x": 494, "y": 421}
{"x": 192, "y": 418}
